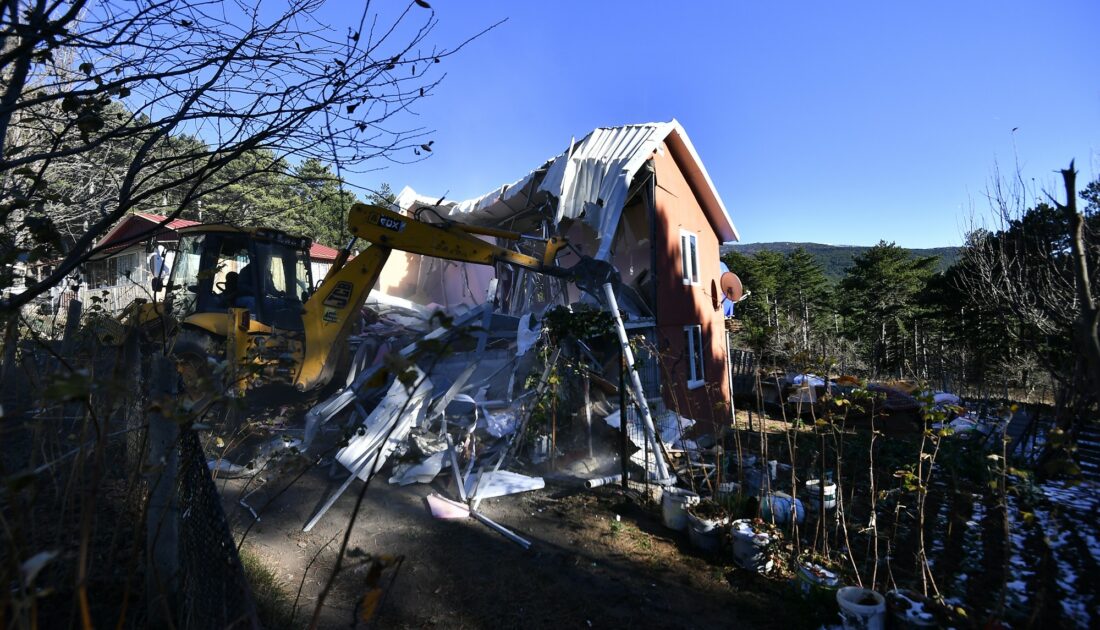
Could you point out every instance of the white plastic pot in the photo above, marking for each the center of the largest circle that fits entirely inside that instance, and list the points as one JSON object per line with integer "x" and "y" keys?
{"x": 813, "y": 494}
{"x": 858, "y": 614}
{"x": 704, "y": 533}
{"x": 814, "y": 577}
{"x": 673, "y": 502}
{"x": 750, "y": 547}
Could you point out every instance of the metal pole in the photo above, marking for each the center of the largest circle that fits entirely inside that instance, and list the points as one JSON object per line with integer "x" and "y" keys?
{"x": 502, "y": 530}
{"x": 162, "y": 522}
{"x": 639, "y": 391}
{"x": 622, "y": 416}
{"x": 588, "y": 413}
{"x": 602, "y": 481}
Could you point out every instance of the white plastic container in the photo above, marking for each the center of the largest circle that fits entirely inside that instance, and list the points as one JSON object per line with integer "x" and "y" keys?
{"x": 814, "y": 577}
{"x": 750, "y": 547}
{"x": 856, "y": 613}
{"x": 813, "y": 494}
{"x": 673, "y": 502}
{"x": 704, "y": 533}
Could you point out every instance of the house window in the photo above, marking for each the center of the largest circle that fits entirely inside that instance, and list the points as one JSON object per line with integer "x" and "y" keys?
{"x": 689, "y": 257}
{"x": 124, "y": 268}
{"x": 693, "y": 344}
{"x": 96, "y": 274}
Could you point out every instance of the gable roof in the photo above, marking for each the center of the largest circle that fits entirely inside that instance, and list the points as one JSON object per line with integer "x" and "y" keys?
{"x": 137, "y": 227}
{"x": 174, "y": 224}
{"x": 318, "y": 251}
{"x": 591, "y": 181}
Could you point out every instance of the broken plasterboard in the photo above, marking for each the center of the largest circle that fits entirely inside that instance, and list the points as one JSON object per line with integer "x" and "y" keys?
{"x": 424, "y": 472}
{"x": 527, "y": 335}
{"x": 386, "y": 427}
{"x": 444, "y": 508}
{"x": 499, "y": 483}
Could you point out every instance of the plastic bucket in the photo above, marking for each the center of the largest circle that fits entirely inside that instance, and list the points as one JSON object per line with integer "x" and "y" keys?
{"x": 814, "y": 578}
{"x": 704, "y": 533}
{"x": 861, "y": 608}
{"x": 673, "y": 502}
{"x": 778, "y": 506}
{"x": 750, "y": 547}
{"x": 813, "y": 494}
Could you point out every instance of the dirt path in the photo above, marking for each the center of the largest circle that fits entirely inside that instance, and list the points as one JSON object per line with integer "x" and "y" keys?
{"x": 585, "y": 569}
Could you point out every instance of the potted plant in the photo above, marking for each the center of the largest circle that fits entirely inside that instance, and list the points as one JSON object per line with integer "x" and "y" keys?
{"x": 706, "y": 519}
{"x": 816, "y": 576}
{"x": 861, "y": 608}
{"x": 753, "y": 544}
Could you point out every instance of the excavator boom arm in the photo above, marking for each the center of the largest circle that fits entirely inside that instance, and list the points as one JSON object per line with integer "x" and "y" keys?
{"x": 452, "y": 241}
{"x": 330, "y": 313}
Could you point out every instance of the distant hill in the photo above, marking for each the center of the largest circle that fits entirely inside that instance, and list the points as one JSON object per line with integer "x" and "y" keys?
{"x": 834, "y": 259}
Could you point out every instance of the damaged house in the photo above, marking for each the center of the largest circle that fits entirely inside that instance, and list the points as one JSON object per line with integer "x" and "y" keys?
{"x": 637, "y": 196}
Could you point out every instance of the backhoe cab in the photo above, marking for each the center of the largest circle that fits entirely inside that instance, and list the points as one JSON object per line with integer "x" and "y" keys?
{"x": 239, "y": 294}
{"x": 245, "y": 294}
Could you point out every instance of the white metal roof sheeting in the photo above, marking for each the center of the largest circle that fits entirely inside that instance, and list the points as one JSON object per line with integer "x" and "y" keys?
{"x": 592, "y": 179}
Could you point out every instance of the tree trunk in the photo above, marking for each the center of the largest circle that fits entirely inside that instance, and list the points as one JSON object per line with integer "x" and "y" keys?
{"x": 1088, "y": 316}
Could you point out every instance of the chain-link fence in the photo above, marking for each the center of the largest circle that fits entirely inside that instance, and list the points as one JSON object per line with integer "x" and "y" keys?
{"x": 213, "y": 589}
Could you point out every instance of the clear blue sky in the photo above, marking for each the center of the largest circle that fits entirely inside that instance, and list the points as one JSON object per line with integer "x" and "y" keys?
{"x": 833, "y": 122}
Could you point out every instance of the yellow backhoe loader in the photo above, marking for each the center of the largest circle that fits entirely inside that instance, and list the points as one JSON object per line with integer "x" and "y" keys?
{"x": 246, "y": 294}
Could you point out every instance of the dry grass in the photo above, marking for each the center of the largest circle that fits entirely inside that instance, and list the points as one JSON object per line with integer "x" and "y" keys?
{"x": 274, "y": 605}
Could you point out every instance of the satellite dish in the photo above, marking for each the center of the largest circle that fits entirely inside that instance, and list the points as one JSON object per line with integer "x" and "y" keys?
{"x": 731, "y": 286}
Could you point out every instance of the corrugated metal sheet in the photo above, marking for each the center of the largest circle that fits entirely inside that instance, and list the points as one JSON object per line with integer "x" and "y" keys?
{"x": 591, "y": 180}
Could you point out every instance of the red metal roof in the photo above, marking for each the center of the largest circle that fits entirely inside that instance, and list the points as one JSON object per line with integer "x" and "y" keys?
{"x": 322, "y": 252}
{"x": 174, "y": 224}
{"x": 136, "y": 227}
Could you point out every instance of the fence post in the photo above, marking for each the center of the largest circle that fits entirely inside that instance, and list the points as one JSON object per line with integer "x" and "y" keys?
{"x": 8, "y": 386}
{"x": 133, "y": 411}
{"x": 162, "y": 520}
{"x": 72, "y": 324}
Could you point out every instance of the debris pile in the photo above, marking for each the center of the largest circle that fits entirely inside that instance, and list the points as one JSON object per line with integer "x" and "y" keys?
{"x": 466, "y": 392}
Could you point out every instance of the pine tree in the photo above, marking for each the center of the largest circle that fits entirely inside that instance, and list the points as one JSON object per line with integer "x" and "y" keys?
{"x": 880, "y": 301}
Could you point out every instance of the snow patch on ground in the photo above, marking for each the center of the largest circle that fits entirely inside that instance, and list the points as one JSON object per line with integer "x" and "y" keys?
{"x": 1082, "y": 502}
{"x": 1020, "y": 588}
{"x": 1075, "y": 604}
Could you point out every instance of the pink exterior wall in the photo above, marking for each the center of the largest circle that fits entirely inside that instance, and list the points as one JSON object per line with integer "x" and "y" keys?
{"x": 679, "y": 305}
{"x": 427, "y": 280}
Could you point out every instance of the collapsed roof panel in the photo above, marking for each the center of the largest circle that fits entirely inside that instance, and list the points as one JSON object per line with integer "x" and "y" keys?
{"x": 591, "y": 181}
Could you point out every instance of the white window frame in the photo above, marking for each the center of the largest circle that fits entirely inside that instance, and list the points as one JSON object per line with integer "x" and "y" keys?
{"x": 693, "y": 350}
{"x": 689, "y": 257}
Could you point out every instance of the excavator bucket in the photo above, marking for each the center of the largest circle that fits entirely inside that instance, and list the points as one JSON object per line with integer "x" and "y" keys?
{"x": 590, "y": 275}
